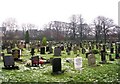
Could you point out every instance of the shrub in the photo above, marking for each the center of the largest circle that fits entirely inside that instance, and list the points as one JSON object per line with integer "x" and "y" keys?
{"x": 44, "y": 41}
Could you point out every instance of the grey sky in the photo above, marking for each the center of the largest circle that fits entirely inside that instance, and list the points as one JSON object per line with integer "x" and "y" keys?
{"x": 41, "y": 12}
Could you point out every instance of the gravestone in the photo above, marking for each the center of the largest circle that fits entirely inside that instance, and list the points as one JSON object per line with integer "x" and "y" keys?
{"x": 35, "y": 61}
{"x": 68, "y": 51}
{"x": 75, "y": 49}
{"x": 78, "y": 63}
{"x": 47, "y": 49}
{"x": 9, "y": 62}
{"x": 91, "y": 60}
{"x": 111, "y": 50}
{"x": 50, "y": 50}
{"x": 110, "y": 58}
{"x": 57, "y": 51}
{"x": 56, "y": 65}
{"x": 32, "y": 51}
{"x": 62, "y": 47}
{"x": 42, "y": 50}
{"x": 16, "y": 54}
{"x": 103, "y": 57}
{"x": 9, "y": 51}
{"x": 83, "y": 51}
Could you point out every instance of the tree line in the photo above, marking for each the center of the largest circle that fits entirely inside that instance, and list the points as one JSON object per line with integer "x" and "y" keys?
{"x": 102, "y": 29}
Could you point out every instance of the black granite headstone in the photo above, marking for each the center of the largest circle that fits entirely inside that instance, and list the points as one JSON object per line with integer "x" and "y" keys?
{"x": 56, "y": 65}
{"x": 32, "y": 51}
{"x": 42, "y": 50}
{"x": 103, "y": 57}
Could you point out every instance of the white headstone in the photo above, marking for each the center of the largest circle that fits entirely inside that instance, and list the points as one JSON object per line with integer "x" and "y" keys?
{"x": 78, "y": 63}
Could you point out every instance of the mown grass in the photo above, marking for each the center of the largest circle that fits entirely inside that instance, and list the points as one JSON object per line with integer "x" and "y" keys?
{"x": 102, "y": 73}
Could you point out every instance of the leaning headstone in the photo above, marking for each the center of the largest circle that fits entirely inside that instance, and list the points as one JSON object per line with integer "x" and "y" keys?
{"x": 35, "y": 61}
{"x": 56, "y": 65}
{"x": 78, "y": 63}
{"x": 9, "y": 62}
{"x": 91, "y": 60}
{"x": 57, "y": 51}
{"x": 42, "y": 50}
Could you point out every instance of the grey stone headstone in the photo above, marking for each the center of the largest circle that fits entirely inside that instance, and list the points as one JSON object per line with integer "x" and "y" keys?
{"x": 91, "y": 60}
{"x": 57, "y": 51}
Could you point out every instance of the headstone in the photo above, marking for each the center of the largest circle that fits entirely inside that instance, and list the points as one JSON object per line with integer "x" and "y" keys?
{"x": 110, "y": 58}
{"x": 35, "y": 61}
{"x": 57, "y": 51}
{"x": 62, "y": 47}
{"x": 47, "y": 49}
{"x": 32, "y": 51}
{"x": 78, "y": 63}
{"x": 9, "y": 51}
{"x": 91, "y": 60}
{"x": 56, "y": 65}
{"x": 68, "y": 51}
{"x": 111, "y": 50}
{"x": 83, "y": 50}
{"x": 50, "y": 50}
{"x": 75, "y": 49}
{"x": 16, "y": 54}
{"x": 9, "y": 62}
{"x": 103, "y": 57}
{"x": 42, "y": 50}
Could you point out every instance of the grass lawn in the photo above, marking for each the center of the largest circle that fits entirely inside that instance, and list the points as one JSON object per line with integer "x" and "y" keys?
{"x": 101, "y": 73}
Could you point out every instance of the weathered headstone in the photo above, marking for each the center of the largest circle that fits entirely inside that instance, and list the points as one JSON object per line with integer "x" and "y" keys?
{"x": 42, "y": 50}
{"x": 35, "y": 61}
{"x": 91, "y": 60}
{"x": 57, "y": 51}
{"x": 16, "y": 54}
{"x": 78, "y": 63}
{"x": 56, "y": 65}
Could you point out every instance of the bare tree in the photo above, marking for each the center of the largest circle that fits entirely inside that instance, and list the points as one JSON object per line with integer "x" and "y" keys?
{"x": 102, "y": 25}
{"x": 73, "y": 23}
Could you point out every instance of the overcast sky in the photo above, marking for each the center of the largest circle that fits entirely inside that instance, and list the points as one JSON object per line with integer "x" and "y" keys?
{"x": 41, "y": 12}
